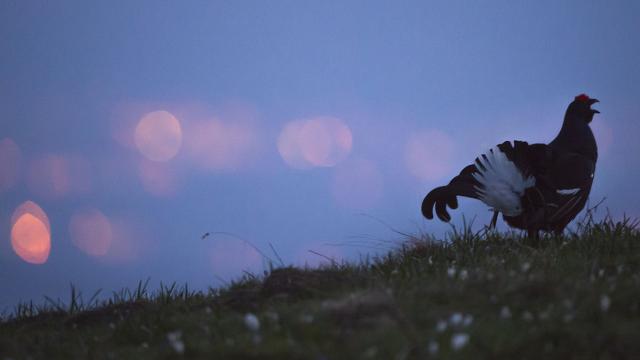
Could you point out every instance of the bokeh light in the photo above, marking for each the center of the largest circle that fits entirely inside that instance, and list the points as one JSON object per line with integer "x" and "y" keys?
{"x": 30, "y": 207}
{"x": 290, "y": 145}
{"x": 158, "y": 136}
{"x": 55, "y": 176}
{"x": 91, "y": 232}
{"x": 315, "y": 142}
{"x": 326, "y": 141}
{"x": 10, "y": 158}
{"x": 31, "y": 233}
{"x": 429, "y": 154}
{"x": 357, "y": 185}
{"x": 219, "y": 145}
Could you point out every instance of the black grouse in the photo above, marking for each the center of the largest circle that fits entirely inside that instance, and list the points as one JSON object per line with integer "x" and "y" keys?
{"x": 535, "y": 186}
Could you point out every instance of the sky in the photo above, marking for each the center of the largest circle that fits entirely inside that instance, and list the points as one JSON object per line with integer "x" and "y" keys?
{"x": 129, "y": 130}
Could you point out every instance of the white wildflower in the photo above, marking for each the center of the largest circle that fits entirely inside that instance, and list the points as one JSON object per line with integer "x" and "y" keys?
{"x": 468, "y": 320}
{"x": 464, "y": 275}
{"x": 505, "y": 313}
{"x": 251, "y": 322}
{"x": 605, "y": 302}
{"x": 175, "y": 340}
{"x": 433, "y": 347}
{"x": 441, "y": 326}
{"x": 601, "y": 273}
{"x": 455, "y": 319}
{"x": 459, "y": 340}
{"x": 451, "y": 272}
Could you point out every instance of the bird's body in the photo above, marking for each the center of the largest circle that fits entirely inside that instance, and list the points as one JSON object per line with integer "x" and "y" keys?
{"x": 535, "y": 186}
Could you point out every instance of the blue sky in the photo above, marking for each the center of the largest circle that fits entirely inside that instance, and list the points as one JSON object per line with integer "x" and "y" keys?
{"x": 77, "y": 77}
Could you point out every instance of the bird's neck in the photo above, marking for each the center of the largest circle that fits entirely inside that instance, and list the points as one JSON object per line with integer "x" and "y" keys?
{"x": 576, "y": 136}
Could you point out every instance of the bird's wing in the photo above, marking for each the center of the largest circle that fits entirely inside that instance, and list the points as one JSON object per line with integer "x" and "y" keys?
{"x": 571, "y": 171}
{"x": 571, "y": 177}
{"x": 566, "y": 207}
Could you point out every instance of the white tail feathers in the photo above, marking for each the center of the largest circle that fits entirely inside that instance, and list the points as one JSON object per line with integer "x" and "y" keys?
{"x": 501, "y": 182}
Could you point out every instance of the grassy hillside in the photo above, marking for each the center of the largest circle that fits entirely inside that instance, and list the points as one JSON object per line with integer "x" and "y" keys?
{"x": 480, "y": 296}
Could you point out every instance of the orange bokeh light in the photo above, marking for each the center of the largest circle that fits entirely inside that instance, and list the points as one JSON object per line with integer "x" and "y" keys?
{"x": 9, "y": 164}
{"x": 320, "y": 141}
{"x": 29, "y": 207}
{"x": 158, "y": 136}
{"x": 91, "y": 232}
{"x": 357, "y": 185}
{"x": 428, "y": 155}
{"x": 31, "y": 233}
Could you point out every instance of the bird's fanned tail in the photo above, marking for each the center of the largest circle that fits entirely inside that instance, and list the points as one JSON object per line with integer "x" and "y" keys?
{"x": 497, "y": 178}
{"x": 462, "y": 185}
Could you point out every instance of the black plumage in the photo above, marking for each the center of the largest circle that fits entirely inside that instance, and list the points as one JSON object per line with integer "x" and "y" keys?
{"x": 535, "y": 186}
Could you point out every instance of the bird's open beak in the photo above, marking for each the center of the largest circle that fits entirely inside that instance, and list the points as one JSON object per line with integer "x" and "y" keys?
{"x": 593, "y": 101}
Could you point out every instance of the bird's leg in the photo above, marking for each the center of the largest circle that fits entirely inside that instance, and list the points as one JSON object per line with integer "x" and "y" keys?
{"x": 494, "y": 219}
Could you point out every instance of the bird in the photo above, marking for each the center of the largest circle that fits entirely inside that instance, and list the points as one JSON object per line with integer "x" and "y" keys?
{"x": 537, "y": 187}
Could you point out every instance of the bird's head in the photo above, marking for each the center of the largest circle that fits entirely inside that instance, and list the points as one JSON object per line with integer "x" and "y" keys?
{"x": 581, "y": 108}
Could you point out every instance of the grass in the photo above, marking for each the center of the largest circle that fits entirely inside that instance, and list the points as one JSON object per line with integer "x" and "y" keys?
{"x": 480, "y": 296}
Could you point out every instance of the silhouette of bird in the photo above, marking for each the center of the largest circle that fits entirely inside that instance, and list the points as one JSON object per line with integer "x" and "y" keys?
{"x": 535, "y": 186}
